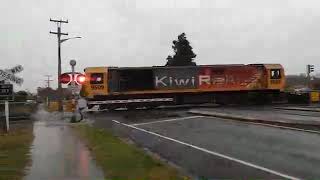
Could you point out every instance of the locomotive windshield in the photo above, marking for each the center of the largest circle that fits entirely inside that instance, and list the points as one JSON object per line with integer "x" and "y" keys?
{"x": 275, "y": 74}
{"x": 96, "y": 78}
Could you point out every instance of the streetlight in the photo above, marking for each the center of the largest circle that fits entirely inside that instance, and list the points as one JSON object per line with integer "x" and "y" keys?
{"x": 63, "y": 40}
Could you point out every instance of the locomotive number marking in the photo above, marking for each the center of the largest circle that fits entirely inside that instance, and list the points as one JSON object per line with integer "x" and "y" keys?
{"x": 97, "y": 87}
{"x": 275, "y": 81}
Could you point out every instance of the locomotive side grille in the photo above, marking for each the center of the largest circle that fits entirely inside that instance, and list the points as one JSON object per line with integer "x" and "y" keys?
{"x": 275, "y": 81}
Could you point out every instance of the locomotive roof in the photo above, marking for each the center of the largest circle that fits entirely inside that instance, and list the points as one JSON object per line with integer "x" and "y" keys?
{"x": 216, "y": 65}
{"x": 267, "y": 66}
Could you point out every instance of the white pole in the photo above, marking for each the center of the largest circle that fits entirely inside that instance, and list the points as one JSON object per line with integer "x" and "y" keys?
{"x": 73, "y": 81}
{"x": 7, "y": 115}
{"x": 73, "y": 92}
{"x": 73, "y": 63}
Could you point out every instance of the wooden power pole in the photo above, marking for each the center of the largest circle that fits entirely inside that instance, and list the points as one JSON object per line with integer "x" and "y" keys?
{"x": 59, "y": 34}
{"x": 48, "y": 80}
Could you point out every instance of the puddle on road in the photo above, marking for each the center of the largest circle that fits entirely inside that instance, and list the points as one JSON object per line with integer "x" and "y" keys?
{"x": 57, "y": 153}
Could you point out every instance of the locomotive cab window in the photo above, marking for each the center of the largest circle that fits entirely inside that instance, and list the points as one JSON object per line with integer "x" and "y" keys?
{"x": 275, "y": 74}
{"x": 96, "y": 78}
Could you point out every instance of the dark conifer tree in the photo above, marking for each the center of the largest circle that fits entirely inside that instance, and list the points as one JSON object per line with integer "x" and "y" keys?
{"x": 184, "y": 55}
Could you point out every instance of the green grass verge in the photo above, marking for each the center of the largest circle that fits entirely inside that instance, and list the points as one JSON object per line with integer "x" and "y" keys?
{"x": 120, "y": 160}
{"x": 15, "y": 152}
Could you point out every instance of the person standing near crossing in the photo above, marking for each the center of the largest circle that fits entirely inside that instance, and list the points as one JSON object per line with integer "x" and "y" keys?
{"x": 82, "y": 104}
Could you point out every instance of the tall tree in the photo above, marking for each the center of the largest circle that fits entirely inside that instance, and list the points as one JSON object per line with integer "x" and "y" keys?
{"x": 184, "y": 55}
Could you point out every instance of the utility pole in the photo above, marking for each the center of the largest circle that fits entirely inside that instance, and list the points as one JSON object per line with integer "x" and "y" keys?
{"x": 48, "y": 80}
{"x": 48, "y": 85}
{"x": 59, "y": 33}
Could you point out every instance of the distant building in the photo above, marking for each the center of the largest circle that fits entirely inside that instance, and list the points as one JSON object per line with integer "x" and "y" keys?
{"x": 301, "y": 82}
{"x": 44, "y": 93}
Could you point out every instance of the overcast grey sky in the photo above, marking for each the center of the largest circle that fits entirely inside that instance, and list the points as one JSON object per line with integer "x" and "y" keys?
{"x": 140, "y": 33}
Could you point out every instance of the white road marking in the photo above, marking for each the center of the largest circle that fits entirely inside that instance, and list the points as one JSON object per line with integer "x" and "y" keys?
{"x": 270, "y": 125}
{"x": 285, "y": 127}
{"x": 168, "y": 120}
{"x": 213, "y": 153}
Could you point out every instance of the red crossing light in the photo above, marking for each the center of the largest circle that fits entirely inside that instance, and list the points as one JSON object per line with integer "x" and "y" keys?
{"x": 80, "y": 79}
{"x": 65, "y": 78}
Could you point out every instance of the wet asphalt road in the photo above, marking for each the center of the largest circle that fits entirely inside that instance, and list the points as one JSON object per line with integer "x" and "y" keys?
{"x": 270, "y": 113}
{"x": 288, "y": 152}
{"x": 57, "y": 153}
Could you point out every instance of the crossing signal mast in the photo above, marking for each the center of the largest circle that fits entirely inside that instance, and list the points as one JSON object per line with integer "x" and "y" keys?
{"x": 310, "y": 69}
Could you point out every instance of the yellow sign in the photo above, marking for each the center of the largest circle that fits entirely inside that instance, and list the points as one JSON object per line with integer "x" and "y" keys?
{"x": 315, "y": 96}
{"x": 53, "y": 106}
{"x": 69, "y": 106}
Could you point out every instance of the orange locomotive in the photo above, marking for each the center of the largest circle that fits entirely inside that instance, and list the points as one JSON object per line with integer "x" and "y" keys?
{"x": 114, "y": 87}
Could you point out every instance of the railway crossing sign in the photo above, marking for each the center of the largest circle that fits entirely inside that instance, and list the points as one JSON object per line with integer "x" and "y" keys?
{"x": 6, "y": 92}
{"x": 6, "y": 89}
{"x": 6, "y": 95}
{"x": 9, "y": 74}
